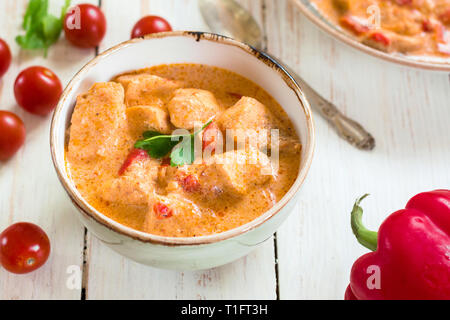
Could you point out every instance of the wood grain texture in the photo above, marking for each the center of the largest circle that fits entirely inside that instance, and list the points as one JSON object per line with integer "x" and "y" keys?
{"x": 407, "y": 110}
{"x": 29, "y": 188}
{"x": 111, "y": 276}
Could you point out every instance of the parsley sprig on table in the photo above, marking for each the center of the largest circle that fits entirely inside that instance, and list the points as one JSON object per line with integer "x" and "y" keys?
{"x": 41, "y": 28}
{"x": 159, "y": 145}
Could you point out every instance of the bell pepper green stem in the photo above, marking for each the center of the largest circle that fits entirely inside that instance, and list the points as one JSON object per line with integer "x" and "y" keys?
{"x": 364, "y": 236}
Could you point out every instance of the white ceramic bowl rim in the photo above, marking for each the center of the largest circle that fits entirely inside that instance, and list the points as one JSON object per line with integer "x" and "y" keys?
{"x": 90, "y": 212}
{"x": 401, "y": 59}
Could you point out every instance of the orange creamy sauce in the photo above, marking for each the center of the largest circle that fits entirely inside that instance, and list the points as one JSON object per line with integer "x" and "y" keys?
{"x": 415, "y": 27}
{"x": 188, "y": 201}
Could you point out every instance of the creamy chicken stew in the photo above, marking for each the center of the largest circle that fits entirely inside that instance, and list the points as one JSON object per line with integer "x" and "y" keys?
{"x": 416, "y": 27}
{"x": 152, "y": 194}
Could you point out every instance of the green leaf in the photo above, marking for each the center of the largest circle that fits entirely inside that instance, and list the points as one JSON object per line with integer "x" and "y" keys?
{"x": 64, "y": 10}
{"x": 30, "y": 42}
{"x": 159, "y": 145}
{"x": 41, "y": 28}
{"x": 52, "y": 28}
{"x": 151, "y": 134}
{"x": 184, "y": 152}
{"x": 35, "y": 11}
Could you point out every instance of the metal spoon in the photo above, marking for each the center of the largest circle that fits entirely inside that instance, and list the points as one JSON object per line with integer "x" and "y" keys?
{"x": 229, "y": 18}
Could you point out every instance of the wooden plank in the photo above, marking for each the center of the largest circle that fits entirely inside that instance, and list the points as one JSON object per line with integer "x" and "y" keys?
{"x": 407, "y": 111}
{"x": 29, "y": 188}
{"x": 111, "y": 276}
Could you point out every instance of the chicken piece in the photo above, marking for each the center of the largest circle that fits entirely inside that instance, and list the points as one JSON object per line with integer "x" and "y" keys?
{"x": 147, "y": 118}
{"x": 166, "y": 175}
{"x": 135, "y": 187}
{"x": 235, "y": 173}
{"x": 405, "y": 44}
{"x": 189, "y": 106}
{"x": 424, "y": 6}
{"x": 147, "y": 89}
{"x": 173, "y": 214}
{"x": 98, "y": 122}
{"x": 401, "y": 19}
{"x": 249, "y": 122}
{"x": 248, "y": 113}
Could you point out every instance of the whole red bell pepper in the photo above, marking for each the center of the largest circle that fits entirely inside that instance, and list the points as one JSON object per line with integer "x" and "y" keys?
{"x": 411, "y": 252}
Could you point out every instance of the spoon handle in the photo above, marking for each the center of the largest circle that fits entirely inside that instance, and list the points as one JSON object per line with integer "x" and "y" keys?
{"x": 347, "y": 128}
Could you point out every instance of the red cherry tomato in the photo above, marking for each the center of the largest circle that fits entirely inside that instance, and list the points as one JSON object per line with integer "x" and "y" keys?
{"x": 12, "y": 134}
{"x": 24, "y": 247}
{"x": 5, "y": 57}
{"x": 37, "y": 90}
{"x": 85, "y": 25}
{"x": 150, "y": 24}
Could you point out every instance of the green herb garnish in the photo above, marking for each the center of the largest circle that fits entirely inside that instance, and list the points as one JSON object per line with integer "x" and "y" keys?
{"x": 159, "y": 145}
{"x": 41, "y": 28}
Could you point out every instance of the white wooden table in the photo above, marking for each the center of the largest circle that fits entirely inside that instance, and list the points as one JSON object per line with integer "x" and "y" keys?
{"x": 407, "y": 110}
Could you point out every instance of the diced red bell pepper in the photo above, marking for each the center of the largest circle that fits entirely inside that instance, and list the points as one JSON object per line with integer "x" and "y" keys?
{"x": 380, "y": 38}
{"x": 162, "y": 211}
{"x": 190, "y": 183}
{"x": 403, "y": 2}
{"x": 134, "y": 155}
{"x": 165, "y": 162}
{"x": 351, "y": 23}
{"x": 211, "y": 136}
{"x": 427, "y": 25}
{"x": 411, "y": 258}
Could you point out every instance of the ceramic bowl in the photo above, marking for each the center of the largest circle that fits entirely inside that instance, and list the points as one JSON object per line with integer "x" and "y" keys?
{"x": 310, "y": 10}
{"x": 184, "y": 47}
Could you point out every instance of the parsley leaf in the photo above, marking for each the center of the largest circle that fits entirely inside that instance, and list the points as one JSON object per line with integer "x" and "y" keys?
{"x": 151, "y": 134}
{"x": 159, "y": 145}
{"x": 184, "y": 153}
{"x": 41, "y": 28}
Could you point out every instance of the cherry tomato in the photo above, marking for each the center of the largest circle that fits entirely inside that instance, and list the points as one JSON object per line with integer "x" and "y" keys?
{"x": 12, "y": 134}
{"x": 85, "y": 25}
{"x": 37, "y": 90}
{"x": 24, "y": 247}
{"x": 150, "y": 24}
{"x": 5, "y": 57}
